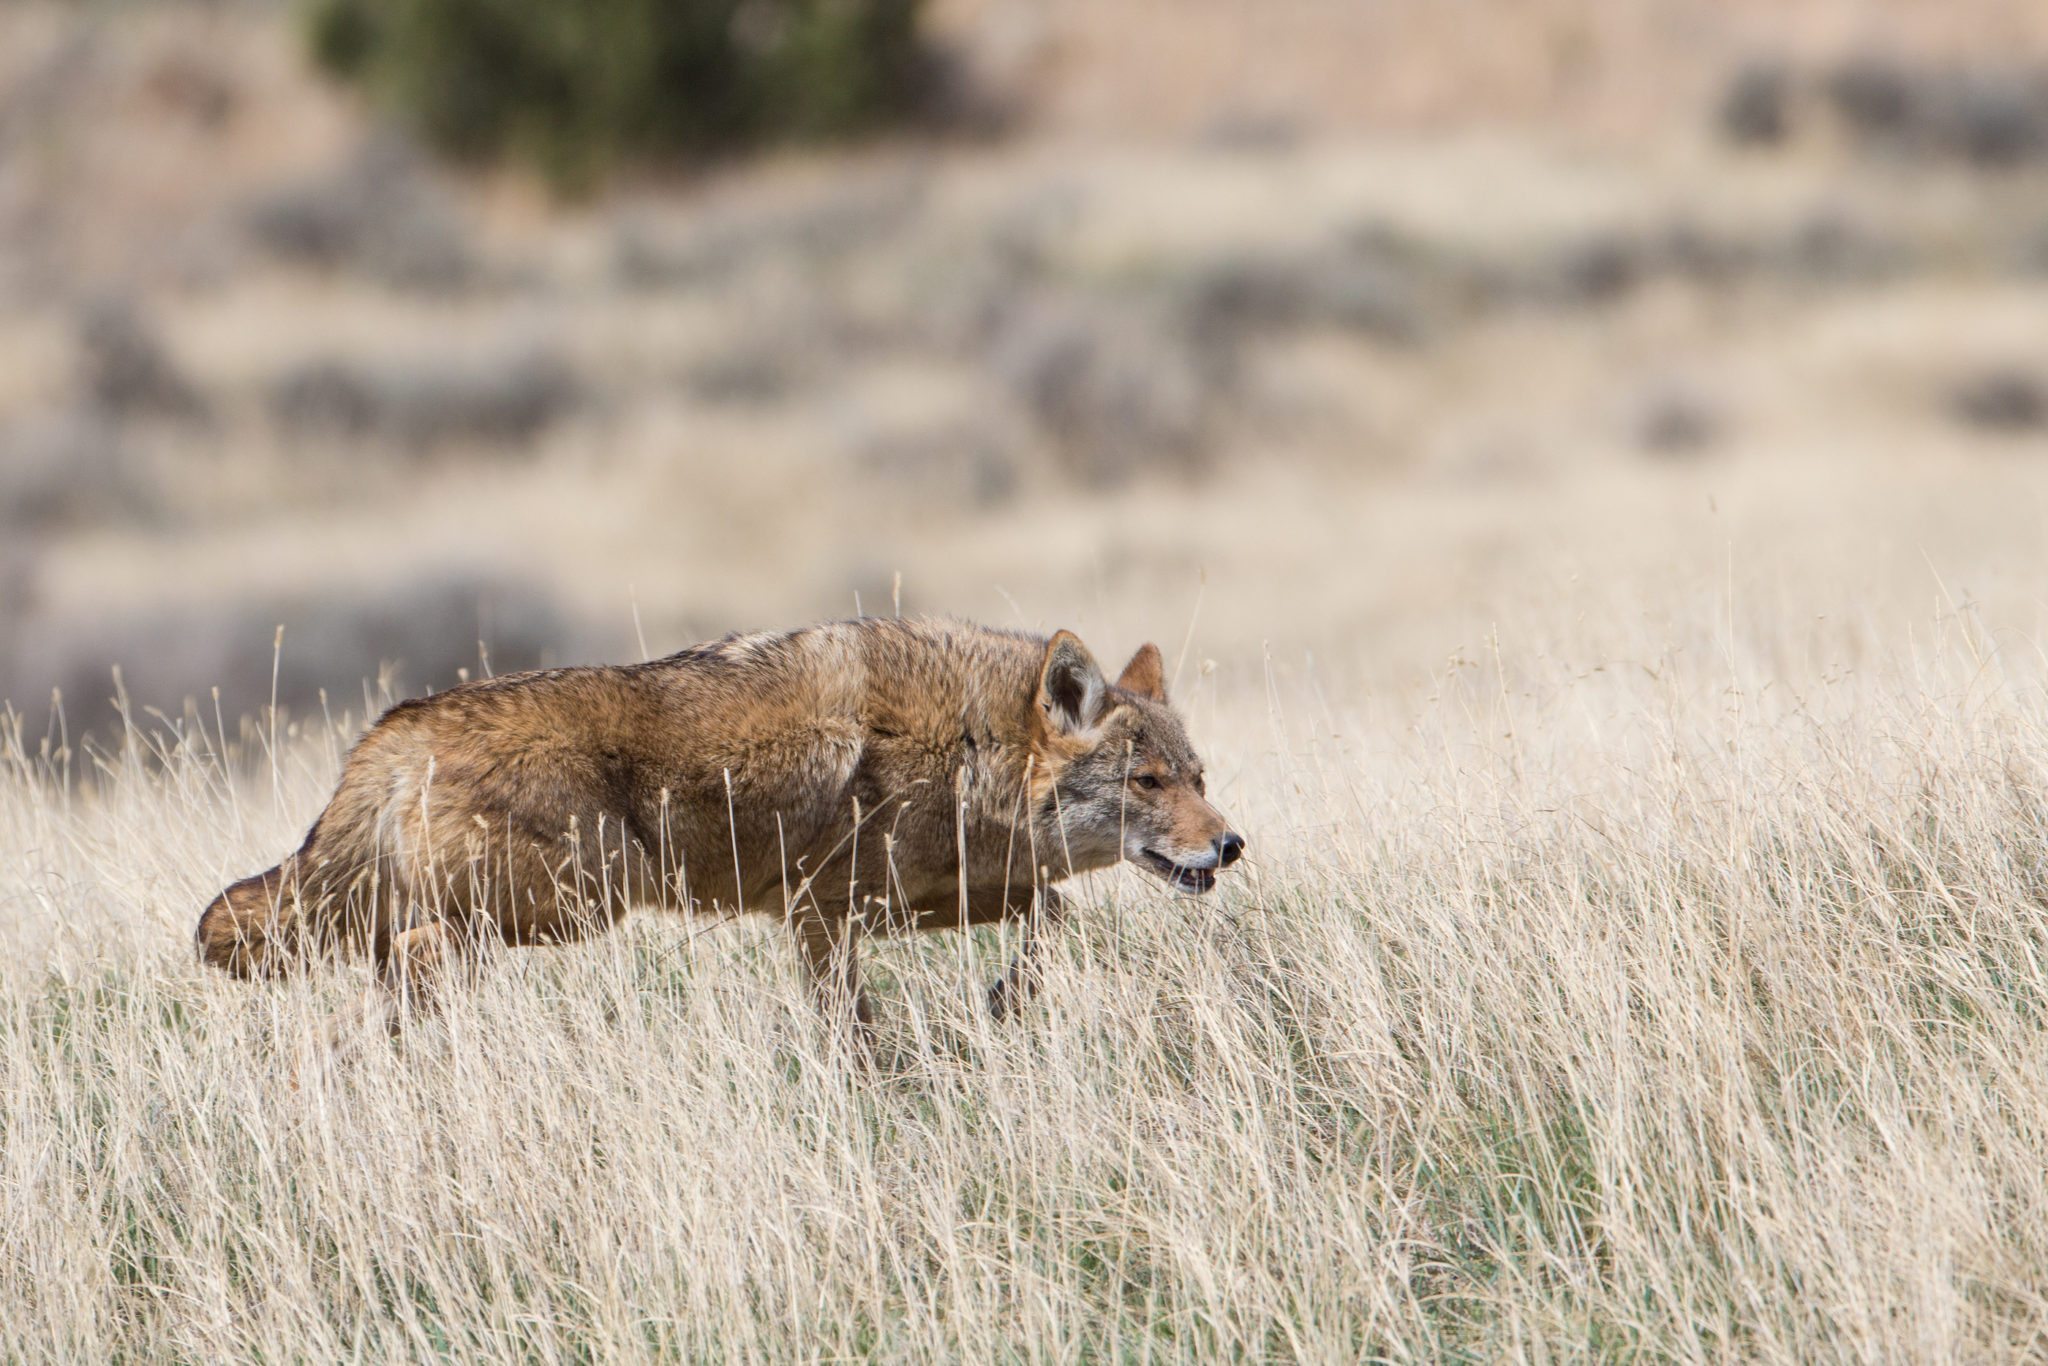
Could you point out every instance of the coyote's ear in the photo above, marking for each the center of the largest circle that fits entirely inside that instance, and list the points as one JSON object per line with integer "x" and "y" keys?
{"x": 1145, "y": 675}
{"x": 1070, "y": 686}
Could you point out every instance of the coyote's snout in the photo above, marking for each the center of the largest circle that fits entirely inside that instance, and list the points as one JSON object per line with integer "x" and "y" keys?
{"x": 871, "y": 774}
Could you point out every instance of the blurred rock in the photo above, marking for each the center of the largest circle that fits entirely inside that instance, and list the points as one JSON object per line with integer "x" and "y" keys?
{"x": 510, "y": 398}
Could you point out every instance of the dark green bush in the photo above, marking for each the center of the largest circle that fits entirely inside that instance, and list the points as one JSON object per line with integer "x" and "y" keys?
{"x": 574, "y": 86}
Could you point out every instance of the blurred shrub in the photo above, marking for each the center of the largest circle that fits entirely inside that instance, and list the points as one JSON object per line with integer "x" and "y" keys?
{"x": 747, "y": 372}
{"x": 572, "y": 88}
{"x": 1674, "y": 417}
{"x": 378, "y": 214}
{"x": 420, "y": 632}
{"x": 2007, "y": 400}
{"x": 506, "y": 398}
{"x": 1114, "y": 391}
{"x": 952, "y": 461}
{"x": 811, "y": 228}
{"x": 1364, "y": 286}
{"x": 1993, "y": 116}
{"x": 125, "y": 369}
{"x": 1755, "y": 108}
{"x": 68, "y": 468}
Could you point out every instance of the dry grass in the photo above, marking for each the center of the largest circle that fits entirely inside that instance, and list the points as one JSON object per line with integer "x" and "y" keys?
{"x": 1594, "y": 1011}
{"x": 1641, "y": 951}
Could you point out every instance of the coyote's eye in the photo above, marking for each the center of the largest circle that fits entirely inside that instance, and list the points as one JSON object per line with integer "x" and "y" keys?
{"x": 1146, "y": 781}
{"x": 1201, "y": 785}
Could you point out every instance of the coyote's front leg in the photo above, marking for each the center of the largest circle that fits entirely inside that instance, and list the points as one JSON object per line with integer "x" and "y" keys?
{"x": 1019, "y": 982}
{"x": 831, "y": 952}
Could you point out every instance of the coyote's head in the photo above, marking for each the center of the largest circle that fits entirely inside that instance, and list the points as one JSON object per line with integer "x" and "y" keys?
{"x": 1114, "y": 776}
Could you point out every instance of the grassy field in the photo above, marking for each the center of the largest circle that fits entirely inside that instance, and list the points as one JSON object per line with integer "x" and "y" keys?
{"x": 1570, "y": 1008}
{"x": 1586, "y": 465}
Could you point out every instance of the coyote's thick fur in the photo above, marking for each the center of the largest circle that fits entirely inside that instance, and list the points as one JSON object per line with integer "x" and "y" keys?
{"x": 870, "y": 774}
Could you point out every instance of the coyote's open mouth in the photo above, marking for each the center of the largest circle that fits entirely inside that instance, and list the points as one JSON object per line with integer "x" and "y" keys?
{"x": 1193, "y": 881}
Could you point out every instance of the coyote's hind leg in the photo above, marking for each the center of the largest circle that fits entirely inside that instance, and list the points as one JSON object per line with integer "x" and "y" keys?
{"x": 414, "y": 969}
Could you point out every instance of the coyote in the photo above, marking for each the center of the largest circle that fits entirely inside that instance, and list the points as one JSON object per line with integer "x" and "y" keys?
{"x": 877, "y": 774}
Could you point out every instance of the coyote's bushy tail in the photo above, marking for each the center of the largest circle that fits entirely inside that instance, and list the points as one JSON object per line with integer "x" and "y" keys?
{"x": 313, "y": 903}
{"x": 251, "y": 929}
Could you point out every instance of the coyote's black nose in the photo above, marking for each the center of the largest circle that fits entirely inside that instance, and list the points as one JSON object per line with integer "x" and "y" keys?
{"x": 1229, "y": 848}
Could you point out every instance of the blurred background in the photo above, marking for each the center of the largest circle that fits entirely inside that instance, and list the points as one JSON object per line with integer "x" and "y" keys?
{"x": 1364, "y": 336}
